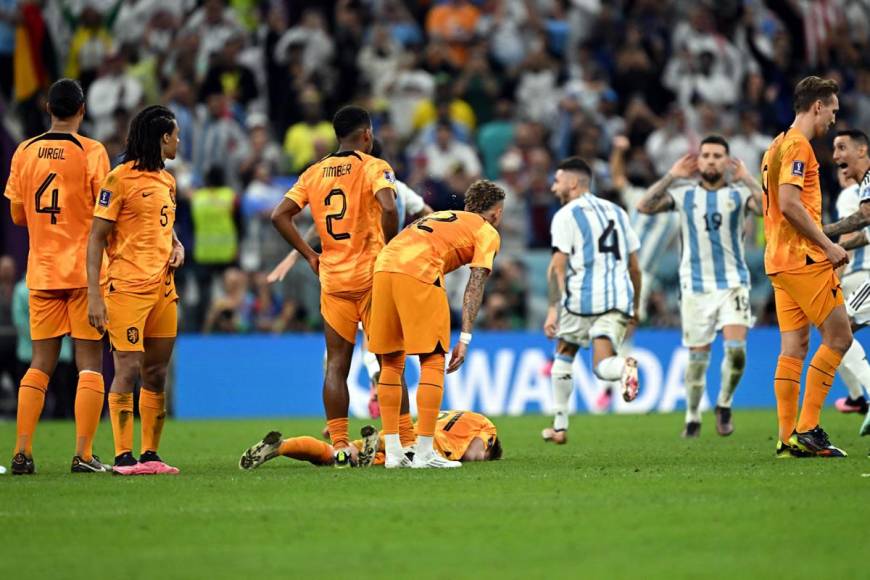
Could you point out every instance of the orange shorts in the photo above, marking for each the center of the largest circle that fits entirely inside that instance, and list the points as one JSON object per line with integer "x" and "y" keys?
{"x": 806, "y": 295}
{"x": 343, "y": 312}
{"x": 408, "y": 315}
{"x": 55, "y": 313}
{"x": 134, "y": 316}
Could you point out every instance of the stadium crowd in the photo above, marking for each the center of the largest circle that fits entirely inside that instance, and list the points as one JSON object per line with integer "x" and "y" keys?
{"x": 459, "y": 89}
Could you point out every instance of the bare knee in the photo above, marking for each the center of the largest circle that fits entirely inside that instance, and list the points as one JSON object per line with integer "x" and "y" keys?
{"x": 840, "y": 342}
{"x": 126, "y": 372}
{"x": 154, "y": 376}
{"x": 566, "y": 349}
{"x": 795, "y": 344}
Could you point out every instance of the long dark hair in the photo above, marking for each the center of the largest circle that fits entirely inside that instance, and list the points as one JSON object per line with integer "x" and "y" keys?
{"x": 143, "y": 141}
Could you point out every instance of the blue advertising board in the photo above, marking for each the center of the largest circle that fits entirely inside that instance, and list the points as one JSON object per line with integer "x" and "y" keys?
{"x": 504, "y": 374}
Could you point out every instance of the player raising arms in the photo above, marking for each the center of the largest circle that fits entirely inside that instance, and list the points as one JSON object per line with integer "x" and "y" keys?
{"x": 410, "y": 314}
{"x": 133, "y": 221}
{"x": 714, "y": 278}
{"x": 595, "y": 266}
{"x": 353, "y": 203}
{"x": 800, "y": 261}
{"x": 52, "y": 187}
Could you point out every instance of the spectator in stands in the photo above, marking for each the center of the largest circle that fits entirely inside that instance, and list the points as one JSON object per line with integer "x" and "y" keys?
{"x": 218, "y": 138}
{"x": 114, "y": 89}
{"x": 213, "y": 25}
{"x": 310, "y": 136}
{"x": 671, "y": 141}
{"x": 748, "y": 143}
{"x": 378, "y": 59}
{"x": 91, "y": 41}
{"x": 310, "y": 35}
{"x": 228, "y": 76}
{"x": 455, "y": 23}
{"x": 225, "y": 313}
{"x": 261, "y": 150}
{"x": 450, "y": 163}
{"x": 514, "y": 228}
{"x": 9, "y": 16}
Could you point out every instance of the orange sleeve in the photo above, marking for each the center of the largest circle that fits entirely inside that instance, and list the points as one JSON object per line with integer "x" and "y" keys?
{"x": 299, "y": 192}
{"x": 13, "y": 192}
{"x": 794, "y": 164}
{"x": 110, "y": 199}
{"x": 486, "y": 244}
{"x": 380, "y": 175}
{"x": 98, "y": 168}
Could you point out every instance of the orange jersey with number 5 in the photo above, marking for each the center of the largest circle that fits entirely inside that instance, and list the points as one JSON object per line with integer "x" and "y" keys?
{"x": 790, "y": 160}
{"x": 56, "y": 177}
{"x": 439, "y": 243}
{"x": 341, "y": 191}
{"x": 142, "y": 205}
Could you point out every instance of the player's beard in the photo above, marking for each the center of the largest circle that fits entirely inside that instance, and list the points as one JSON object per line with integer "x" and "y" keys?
{"x": 711, "y": 176}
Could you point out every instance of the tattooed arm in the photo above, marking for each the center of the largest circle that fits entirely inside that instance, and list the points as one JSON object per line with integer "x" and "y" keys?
{"x": 852, "y": 223}
{"x": 657, "y": 199}
{"x": 854, "y": 240}
{"x": 742, "y": 175}
{"x": 470, "y": 306}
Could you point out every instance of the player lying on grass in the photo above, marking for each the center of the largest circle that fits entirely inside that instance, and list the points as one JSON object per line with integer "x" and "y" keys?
{"x": 459, "y": 435}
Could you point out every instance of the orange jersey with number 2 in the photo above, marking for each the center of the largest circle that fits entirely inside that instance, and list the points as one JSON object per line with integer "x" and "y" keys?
{"x": 341, "y": 191}
{"x": 56, "y": 177}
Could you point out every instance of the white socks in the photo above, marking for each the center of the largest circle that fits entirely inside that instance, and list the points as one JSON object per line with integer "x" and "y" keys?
{"x": 371, "y": 362}
{"x": 563, "y": 386}
{"x": 393, "y": 446}
{"x": 424, "y": 446}
{"x": 855, "y": 370}
{"x": 696, "y": 379}
{"x": 733, "y": 364}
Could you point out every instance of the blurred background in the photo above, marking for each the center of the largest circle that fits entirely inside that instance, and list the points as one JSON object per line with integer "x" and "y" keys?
{"x": 458, "y": 89}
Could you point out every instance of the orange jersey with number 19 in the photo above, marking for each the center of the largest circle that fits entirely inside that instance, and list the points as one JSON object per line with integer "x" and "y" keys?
{"x": 341, "y": 192}
{"x": 142, "y": 205}
{"x": 56, "y": 177}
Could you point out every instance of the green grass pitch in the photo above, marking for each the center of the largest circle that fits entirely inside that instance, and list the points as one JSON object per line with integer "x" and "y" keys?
{"x": 625, "y": 498}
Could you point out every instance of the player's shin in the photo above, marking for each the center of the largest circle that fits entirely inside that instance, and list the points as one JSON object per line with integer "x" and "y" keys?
{"x": 307, "y": 449}
{"x": 390, "y": 399}
{"x": 855, "y": 370}
{"x": 787, "y": 385}
{"x": 696, "y": 381}
{"x": 563, "y": 386}
{"x": 820, "y": 377}
{"x": 121, "y": 414}
{"x": 31, "y": 399}
{"x": 152, "y": 412}
{"x": 90, "y": 394}
{"x": 733, "y": 365}
{"x": 429, "y": 395}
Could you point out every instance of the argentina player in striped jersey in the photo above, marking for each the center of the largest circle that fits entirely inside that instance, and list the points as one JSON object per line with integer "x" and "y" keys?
{"x": 851, "y": 156}
{"x": 595, "y": 266}
{"x": 714, "y": 278}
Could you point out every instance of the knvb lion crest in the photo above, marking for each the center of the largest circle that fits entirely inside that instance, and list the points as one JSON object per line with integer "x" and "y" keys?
{"x": 133, "y": 335}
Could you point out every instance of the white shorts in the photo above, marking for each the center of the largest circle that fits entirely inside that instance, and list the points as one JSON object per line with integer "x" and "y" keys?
{"x": 856, "y": 290}
{"x": 581, "y": 330}
{"x": 704, "y": 314}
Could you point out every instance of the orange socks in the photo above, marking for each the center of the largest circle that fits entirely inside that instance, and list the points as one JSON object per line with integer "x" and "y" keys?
{"x": 89, "y": 407}
{"x": 787, "y": 385}
{"x": 406, "y": 430}
{"x": 121, "y": 413}
{"x": 429, "y": 393}
{"x": 390, "y": 391}
{"x": 338, "y": 432}
{"x": 152, "y": 411}
{"x": 820, "y": 376}
{"x": 31, "y": 398}
{"x": 307, "y": 449}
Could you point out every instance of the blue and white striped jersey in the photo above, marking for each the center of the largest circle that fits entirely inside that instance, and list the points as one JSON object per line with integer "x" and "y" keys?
{"x": 864, "y": 186}
{"x": 408, "y": 202}
{"x": 598, "y": 239}
{"x": 712, "y": 227}
{"x": 847, "y": 203}
{"x": 656, "y": 231}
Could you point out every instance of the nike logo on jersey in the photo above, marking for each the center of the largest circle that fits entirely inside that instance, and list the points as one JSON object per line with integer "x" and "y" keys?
{"x": 147, "y": 193}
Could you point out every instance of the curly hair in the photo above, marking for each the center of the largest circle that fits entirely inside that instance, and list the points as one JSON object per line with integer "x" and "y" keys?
{"x": 143, "y": 141}
{"x": 482, "y": 195}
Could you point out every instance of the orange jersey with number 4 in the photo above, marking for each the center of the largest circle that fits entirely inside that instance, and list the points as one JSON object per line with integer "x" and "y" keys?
{"x": 341, "y": 191}
{"x": 56, "y": 177}
{"x": 439, "y": 243}
{"x": 790, "y": 160}
{"x": 142, "y": 205}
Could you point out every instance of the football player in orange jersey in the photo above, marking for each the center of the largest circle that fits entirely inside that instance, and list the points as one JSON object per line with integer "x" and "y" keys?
{"x": 52, "y": 187}
{"x": 410, "y": 314}
{"x": 459, "y": 435}
{"x": 133, "y": 222}
{"x": 353, "y": 201}
{"x": 801, "y": 261}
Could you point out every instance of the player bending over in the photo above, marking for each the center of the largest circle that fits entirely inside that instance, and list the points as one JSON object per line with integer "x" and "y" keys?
{"x": 714, "y": 277}
{"x": 459, "y": 435}
{"x": 595, "y": 266}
